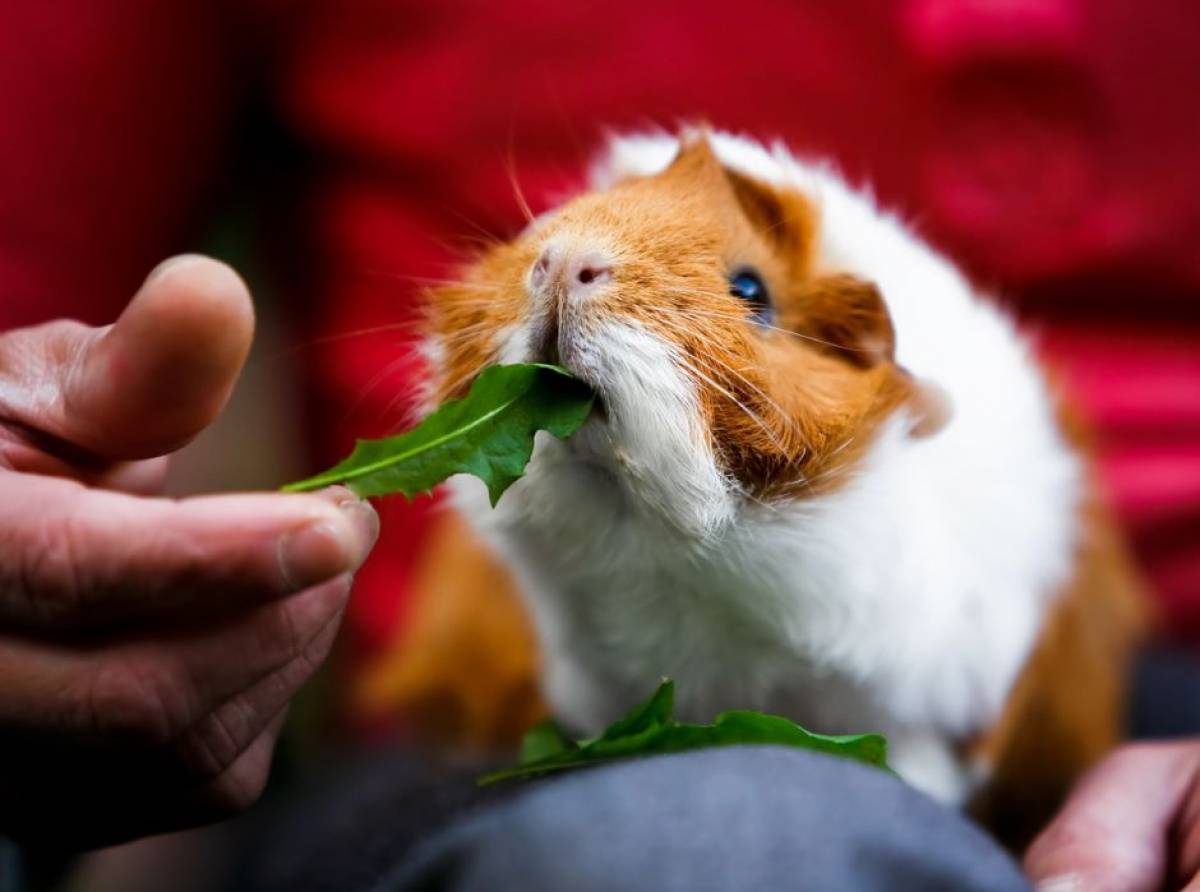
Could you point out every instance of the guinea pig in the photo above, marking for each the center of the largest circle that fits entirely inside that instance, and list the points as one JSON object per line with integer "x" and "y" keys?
{"x": 824, "y": 478}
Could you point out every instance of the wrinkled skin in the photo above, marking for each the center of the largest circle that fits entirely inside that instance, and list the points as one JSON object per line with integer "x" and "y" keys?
{"x": 148, "y": 646}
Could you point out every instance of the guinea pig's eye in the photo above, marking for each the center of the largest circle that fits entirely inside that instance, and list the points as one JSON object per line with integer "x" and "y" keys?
{"x": 748, "y": 285}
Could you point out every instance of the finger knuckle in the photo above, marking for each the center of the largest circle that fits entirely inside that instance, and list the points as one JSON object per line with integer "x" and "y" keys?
{"x": 280, "y": 632}
{"x": 132, "y": 701}
{"x": 184, "y": 566}
{"x": 312, "y": 656}
{"x": 48, "y": 572}
{"x": 214, "y": 743}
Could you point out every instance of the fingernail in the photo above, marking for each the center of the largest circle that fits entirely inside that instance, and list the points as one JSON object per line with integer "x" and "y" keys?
{"x": 170, "y": 264}
{"x": 365, "y": 521}
{"x": 316, "y": 552}
{"x": 1066, "y": 882}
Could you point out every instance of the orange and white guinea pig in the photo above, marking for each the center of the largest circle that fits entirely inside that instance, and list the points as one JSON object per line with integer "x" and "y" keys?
{"x": 825, "y": 478}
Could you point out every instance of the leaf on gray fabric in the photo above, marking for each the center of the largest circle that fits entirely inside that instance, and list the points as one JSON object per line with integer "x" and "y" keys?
{"x": 648, "y": 729}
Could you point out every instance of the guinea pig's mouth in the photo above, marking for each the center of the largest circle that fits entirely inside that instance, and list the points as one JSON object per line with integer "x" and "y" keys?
{"x": 599, "y": 412}
{"x": 544, "y": 348}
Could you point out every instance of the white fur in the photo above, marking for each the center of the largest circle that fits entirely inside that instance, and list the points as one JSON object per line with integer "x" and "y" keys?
{"x": 905, "y": 601}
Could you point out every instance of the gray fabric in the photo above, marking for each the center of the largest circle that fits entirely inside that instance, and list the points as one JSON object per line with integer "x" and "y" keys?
{"x": 12, "y": 878}
{"x": 730, "y": 819}
{"x": 1166, "y": 683}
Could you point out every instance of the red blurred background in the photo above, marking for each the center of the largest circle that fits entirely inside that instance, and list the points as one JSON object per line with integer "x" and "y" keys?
{"x": 344, "y": 150}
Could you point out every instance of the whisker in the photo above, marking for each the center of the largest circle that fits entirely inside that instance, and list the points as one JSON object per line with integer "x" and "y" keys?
{"x": 737, "y": 375}
{"x": 409, "y": 395}
{"x": 774, "y": 509}
{"x": 761, "y": 325}
{"x": 376, "y": 379}
{"x": 309, "y": 344}
{"x": 462, "y": 379}
{"x": 461, "y": 336}
{"x": 510, "y": 168}
{"x": 489, "y": 238}
{"x": 753, "y": 416}
{"x": 828, "y": 474}
{"x": 432, "y": 282}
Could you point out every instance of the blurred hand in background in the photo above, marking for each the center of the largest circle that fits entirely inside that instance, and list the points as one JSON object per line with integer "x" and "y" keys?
{"x": 148, "y": 646}
{"x": 1132, "y": 825}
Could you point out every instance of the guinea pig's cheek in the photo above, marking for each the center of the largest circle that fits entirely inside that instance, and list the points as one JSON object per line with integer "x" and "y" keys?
{"x": 652, "y": 437}
{"x": 514, "y": 344}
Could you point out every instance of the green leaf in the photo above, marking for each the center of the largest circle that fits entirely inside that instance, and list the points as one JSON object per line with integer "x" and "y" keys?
{"x": 488, "y": 433}
{"x": 650, "y": 714}
{"x": 649, "y": 729}
{"x": 543, "y": 741}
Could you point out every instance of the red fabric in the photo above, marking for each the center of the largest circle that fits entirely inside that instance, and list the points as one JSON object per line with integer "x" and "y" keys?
{"x": 114, "y": 117}
{"x": 1049, "y": 146}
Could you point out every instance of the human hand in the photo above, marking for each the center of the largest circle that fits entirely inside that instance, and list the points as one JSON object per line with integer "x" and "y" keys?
{"x": 1131, "y": 825}
{"x": 148, "y": 646}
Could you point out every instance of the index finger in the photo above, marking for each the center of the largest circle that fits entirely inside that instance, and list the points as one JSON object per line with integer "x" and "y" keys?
{"x": 83, "y": 558}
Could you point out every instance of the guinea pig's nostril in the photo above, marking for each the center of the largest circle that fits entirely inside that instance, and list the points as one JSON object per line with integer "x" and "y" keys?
{"x": 592, "y": 271}
{"x": 541, "y": 267}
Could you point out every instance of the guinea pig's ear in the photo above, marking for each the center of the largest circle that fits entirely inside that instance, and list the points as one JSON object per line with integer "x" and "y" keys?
{"x": 845, "y": 315}
{"x": 696, "y": 160}
{"x": 931, "y": 407}
{"x": 783, "y": 217}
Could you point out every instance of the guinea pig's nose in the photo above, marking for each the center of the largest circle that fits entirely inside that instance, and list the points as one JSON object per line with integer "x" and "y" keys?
{"x": 577, "y": 273}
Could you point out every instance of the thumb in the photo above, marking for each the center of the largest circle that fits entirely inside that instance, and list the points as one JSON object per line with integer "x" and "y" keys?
{"x": 150, "y": 382}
